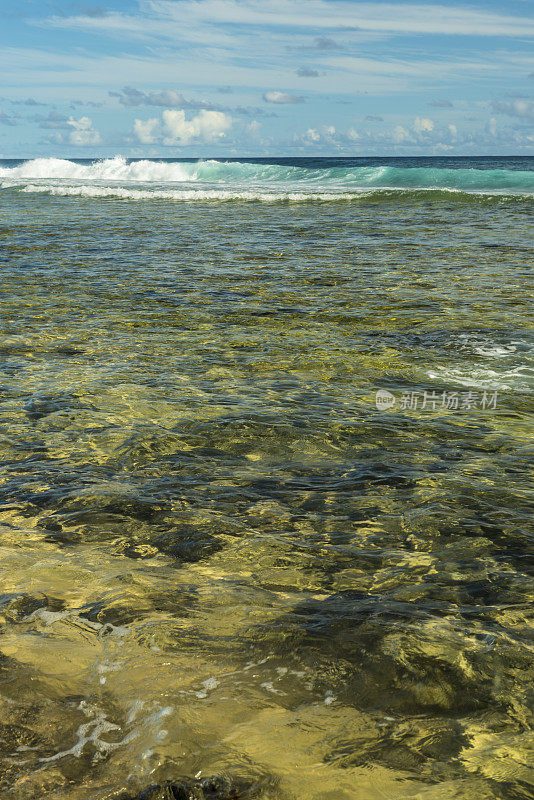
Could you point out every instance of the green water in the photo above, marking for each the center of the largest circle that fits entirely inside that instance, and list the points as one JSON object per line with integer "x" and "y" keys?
{"x": 217, "y": 555}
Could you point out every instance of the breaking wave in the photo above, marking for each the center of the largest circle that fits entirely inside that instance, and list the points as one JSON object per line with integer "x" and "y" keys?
{"x": 229, "y": 180}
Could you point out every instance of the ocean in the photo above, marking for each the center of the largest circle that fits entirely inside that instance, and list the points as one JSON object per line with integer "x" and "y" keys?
{"x": 266, "y": 501}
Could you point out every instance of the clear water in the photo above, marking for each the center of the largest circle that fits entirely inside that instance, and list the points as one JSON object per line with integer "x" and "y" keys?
{"x": 218, "y": 556}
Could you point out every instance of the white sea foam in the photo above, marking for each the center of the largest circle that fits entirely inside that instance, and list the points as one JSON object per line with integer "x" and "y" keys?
{"x": 518, "y": 378}
{"x": 201, "y": 194}
{"x": 495, "y": 351}
{"x": 111, "y": 169}
{"x": 90, "y": 733}
{"x": 188, "y": 194}
{"x": 499, "y": 365}
{"x": 483, "y": 346}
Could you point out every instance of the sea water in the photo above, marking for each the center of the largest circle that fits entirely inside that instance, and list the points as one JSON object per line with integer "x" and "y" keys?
{"x": 265, "y": 491}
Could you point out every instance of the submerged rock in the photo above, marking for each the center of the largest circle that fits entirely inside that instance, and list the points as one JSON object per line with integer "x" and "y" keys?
{"x": 187, "y": 544}
{"x": 41, "y": 405}
{"x": 216, "y": 787}
{"x": 184, "y": 790}
{"x": 18, "y": 607}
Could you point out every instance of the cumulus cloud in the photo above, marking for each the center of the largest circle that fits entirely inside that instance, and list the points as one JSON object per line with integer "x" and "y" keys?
{"x": 175, "y": 128}
{"x": 306, "y": 72}
{"x": 281, "y": 98}
{"x": 327, "y": 135}
{"x": 417, "y": 132}
{"x": 409, "y": 137}
{"x": 523, "y": 109}
{"x": 311, "y": 135}
{"x": 146, "y": 131}
{"x": 440, "y": 103}
{"x": 400, "y": 135}
{"x": 423, "y": 125}
{"x": 491, "y": 127}
{"x": 254, "y": 128}
{"x": 83, "y": 133}
{"x": 208, "y": 126}
{"x": 374, "y": 118}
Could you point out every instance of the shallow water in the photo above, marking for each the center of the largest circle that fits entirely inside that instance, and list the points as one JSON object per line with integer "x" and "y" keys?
{"x": 218, "y": 555}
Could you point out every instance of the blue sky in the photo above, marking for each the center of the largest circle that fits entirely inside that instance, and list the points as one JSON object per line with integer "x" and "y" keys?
{"x": 265, "y": 77}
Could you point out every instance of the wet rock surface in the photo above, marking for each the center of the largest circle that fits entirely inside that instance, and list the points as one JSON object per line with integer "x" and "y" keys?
{"x": 211, "y": 788}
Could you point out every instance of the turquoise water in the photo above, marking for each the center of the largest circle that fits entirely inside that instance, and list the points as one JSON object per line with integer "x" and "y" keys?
{"x": 290, "y": 179}
{"x": 219, "y": 555}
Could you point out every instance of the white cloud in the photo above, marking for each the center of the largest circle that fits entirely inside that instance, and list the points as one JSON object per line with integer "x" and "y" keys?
{"x": 83, "y": 134}
{"x": 312, "y": 135}
{"x": 146, "y": 130}
{"x": 82, "y": 124}
{"x": 423, "y": 125}
{"x": 416, "y": 133}
{"x": 253, "y": 128}
{"x": 401, "y": 135}
{"x": 409, "y": 138}
{"x": 208, "y": 126}
{"x": 174, "y": 128}
{"x": 327, "y": 135}
{"x": 281, "y": 98}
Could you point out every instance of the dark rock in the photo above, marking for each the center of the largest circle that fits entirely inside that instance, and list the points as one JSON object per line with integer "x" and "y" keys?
{"x": 68, "y": 351}
{"x": 187, "y": 545}
{"x": 184, "y": 790}
{"x": 62, "y": 538}
{"x": 19, "y": 606}
{"x": 13, "y": 736}
{"x": 216, "y": 787}
{"x": 112, "y": 613}
{"x": 50, "y": 524}
{"x": 40, "y": 406}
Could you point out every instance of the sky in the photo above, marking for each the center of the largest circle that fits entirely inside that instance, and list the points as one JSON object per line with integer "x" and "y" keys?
{"x": 230, "y": 78}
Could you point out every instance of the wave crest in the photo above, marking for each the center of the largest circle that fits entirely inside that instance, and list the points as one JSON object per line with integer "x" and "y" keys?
{"x": 214, "y": 179}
